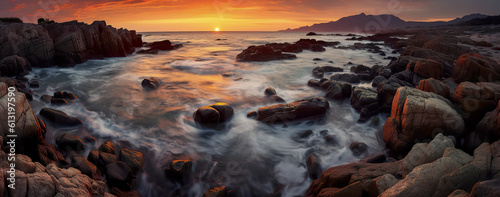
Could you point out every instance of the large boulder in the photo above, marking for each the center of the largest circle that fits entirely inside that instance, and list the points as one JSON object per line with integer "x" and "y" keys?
{"x": 27, "y": 127}
{"x": 489, "y": 126}
{"x": 30, "y": 41}
{"x": 261, "y": 54}
{"x": 486, "y": 188}
{"x": 337, "y": 90}
{"x": 69, "y": 142}
{"x": 119, "y": 175}
{"x": 214, "y": 114}
{"x": 14, "y": 65}
{"x": 59, "y": 117}
{"x": 427, "y": 68}
{"x": 475, "y": 99}
{"x": 41, "y": 184}
{"x": 418, "y": 115}
{"x": 134, "y": 159}
{"x": 474, "y": 68}
{"x": 300, "y": 109}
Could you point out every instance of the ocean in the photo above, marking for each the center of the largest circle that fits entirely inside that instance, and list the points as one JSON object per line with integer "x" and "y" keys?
{"x": 249, "y": 157}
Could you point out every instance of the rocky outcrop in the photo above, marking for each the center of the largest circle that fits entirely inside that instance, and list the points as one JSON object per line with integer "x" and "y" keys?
{"x": 66, "y": 44}
{"x": 262, "y": 54}
{"x": 14, "y": 65}
{"x": 475, "y": 68}
{"x": 300, "y": 109}
{"x": 475, "y": 99}
{"x": 29, "y": 41}
{"x": 418, "y": 115}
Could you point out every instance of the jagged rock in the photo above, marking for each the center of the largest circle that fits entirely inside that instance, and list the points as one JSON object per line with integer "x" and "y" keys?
{"x": 418, "y": 115}
{"x": 300, "y": 109}
{"x": 14, "y": 65}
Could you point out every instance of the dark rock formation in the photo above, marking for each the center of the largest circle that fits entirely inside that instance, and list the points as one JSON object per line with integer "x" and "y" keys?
{"x": 301, "y": 109}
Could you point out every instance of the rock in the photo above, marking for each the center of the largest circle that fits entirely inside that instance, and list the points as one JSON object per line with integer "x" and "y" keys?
{"x": 107, "y": 147}
{"x": 24, "y": 163}
{"x": 252, "y": 114}
{"x": 380, "y": 184}
{"x": 28, "y": 130}
{"x": 377, "y": 158}
{"x": 216, "y": 192}
{"x": 489, "y": 126}
{"x": 161, "y": 45}
{"x": 495, "y": 161}
{"x": 475, "y": 100}
{"x": 313, "y": 166}
{"x": 305, "y": 134}
{"x": 311, "y": 34}
{"x": 423, "y": 153}
{"x": 65, "y": 95}
{"x": 104, "y": 160}
{"x": 70, "y": 182}
{"x": 424, "y": 179}
{"x": 178, "y": 170}
{"x": 353, "y": 190}
{"x": 214, "y": 114}
{"x": 85, "y": 167}
{"x": 118, "y": 175}
{"x": 300, "y": 109}
{"x": 486, "y": 188}
{"x": 434, "y": 86}
{"x": 269, "y": 91}
{"x": 428, "y": 68}
{"x": 276, "y": 99}
{"x": 337, "y": 177}
{"x": 93, "y": 157}
{"x": 30, "y": 41}
{"x": 336, "y": 89}
{"x": 151, "y": 83}
{"x": 14, "y": 65}
{"x": 377, "y": 80}
{"x": 360, "y": 69}
{"x": 120, "y": 193}
{"x": 365, "y": 100}
{"x": 349, "y": 78}
{"x": 68, "y": 142}
{"x": 148, "y": 51}
{"x": 47, "y": 154}
{"x": 21, "y": 187}
{"x": 40, "y": 184}
{"x": 134, "y": 159}
{"x": 262, "y": 53}
{"x": 474, "y": 68}
{"x": 418, "y": 115}
{"x": 34, "y": 84}
{"x": 459, "y": 193}
{"x": 59, "y": 117}
{"x": 313, "y": 83}
{"x": 358, "y": 148}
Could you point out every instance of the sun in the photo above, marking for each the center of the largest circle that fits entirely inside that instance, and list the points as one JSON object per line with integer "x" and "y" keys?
{"x": 217, "y": 29}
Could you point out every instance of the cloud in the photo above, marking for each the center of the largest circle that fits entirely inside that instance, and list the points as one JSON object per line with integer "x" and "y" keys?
{"x": 18, "y": 7}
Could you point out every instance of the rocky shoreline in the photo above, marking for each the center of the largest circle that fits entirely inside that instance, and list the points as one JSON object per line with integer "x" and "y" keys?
{"x": 442, "y": 134}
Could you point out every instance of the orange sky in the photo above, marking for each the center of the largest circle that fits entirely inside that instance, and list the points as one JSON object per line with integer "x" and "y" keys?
{"x": 234, "y": 15}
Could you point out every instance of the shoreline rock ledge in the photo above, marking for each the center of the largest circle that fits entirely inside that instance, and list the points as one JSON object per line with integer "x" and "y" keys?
{"x": 66, "y": 44}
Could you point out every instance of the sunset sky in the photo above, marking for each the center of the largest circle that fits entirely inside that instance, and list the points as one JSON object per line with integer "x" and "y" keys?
{"x": 235, "y": 15}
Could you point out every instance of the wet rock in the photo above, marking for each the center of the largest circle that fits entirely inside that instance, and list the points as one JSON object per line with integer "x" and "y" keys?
{"x": 47, "y": 154}
{"x": 313, "y": 166}
{"x": 434, "y": 86}
{"x": 34, "y": 84}
{"x": 305, "y": 134}
{"x": 360, "y": 69}
{"x": 261, "y": 54}
{"x": 134, "y": 159}
{"x": 178, "y": 170}
{"x": 67, "y": 142}
{"x": 93, "y": 157}
{"x": 276, "y": 99}
{"x": 252, "y": 114}
{"x": 151, "y": 83}
{"x": 300, "y": 109}
{"x": 336, "y": 89}
{"x": 474, "y": 68}
{"x": 213, "y": 114}
{"x": 365, "y": 100}
{"x": 349, "y": 78}
{"x": 311, "y": 34}
{"x": 65, "y": 95}
{"x": 418, "y": 115}
{"x": 107, "y": 147}
{"x": 164, "y": 45}
{"x": 377, "y": 80}
{"x": 119, "y": 174}
{"x": 85, "y": 167}
{"x": 216, "y": 192}
{"x": 148, "y": 51}
{"x": 313, "y": 83}
{"x": 380, "y": 184}
{"x": 358, "y": 148}
{"x": 269, "y": 91}
{"x": 59, "y": 117}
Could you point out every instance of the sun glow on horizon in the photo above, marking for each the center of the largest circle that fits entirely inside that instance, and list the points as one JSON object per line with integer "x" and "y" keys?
{"x": 217, "y": 29}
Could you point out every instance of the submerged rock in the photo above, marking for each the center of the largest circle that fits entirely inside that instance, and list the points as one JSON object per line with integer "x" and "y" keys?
{"x": 59, "y": 117}
{"x": 349, "y": 78}
{"x": 261, "y": 54}
{"x": 151, "y": 83}
{"x": 300, "y": 109}
{"x": 213, "y": 114}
